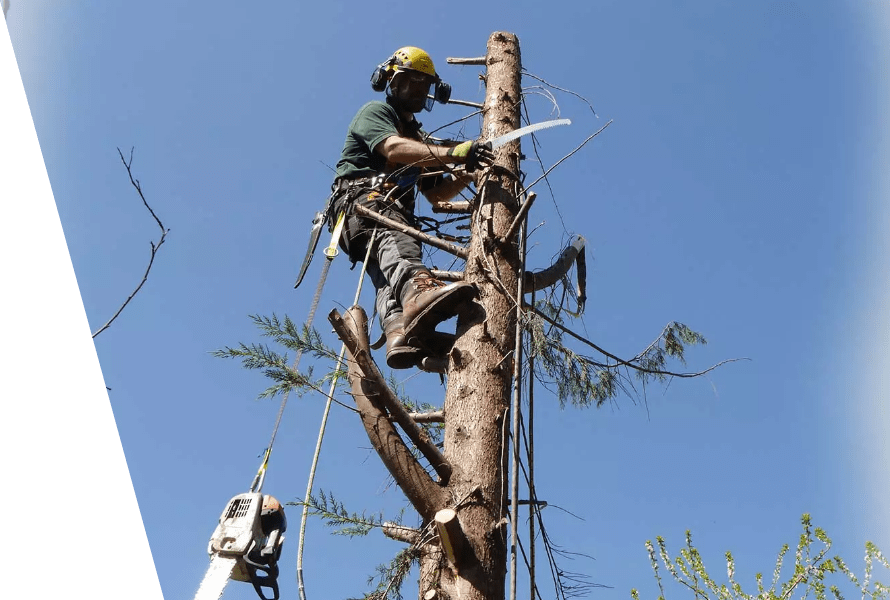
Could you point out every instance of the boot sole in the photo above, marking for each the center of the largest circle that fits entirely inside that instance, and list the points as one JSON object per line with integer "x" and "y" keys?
{"x": 436, "y": 345}
{"x": 424, "y": 323}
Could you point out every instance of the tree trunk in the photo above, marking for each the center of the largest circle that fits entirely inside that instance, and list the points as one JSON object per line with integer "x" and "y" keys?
{"x": 481, "y": 365}
{"x": 463, "y": 554}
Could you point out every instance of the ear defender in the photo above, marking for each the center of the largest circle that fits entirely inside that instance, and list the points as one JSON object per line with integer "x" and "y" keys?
{"x": 379, "y": 78}
{"x": 443, "y": 92}
{"x": 381, "y": 75}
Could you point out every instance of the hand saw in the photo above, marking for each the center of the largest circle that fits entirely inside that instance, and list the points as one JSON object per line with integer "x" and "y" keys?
{"x": 518, "y": 133}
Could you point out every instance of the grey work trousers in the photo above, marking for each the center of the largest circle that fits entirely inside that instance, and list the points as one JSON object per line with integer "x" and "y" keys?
{"x": 395, "y": 256}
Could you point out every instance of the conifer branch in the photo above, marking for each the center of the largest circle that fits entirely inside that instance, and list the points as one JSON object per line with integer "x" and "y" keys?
{"x": 585, "y": 380}
{"x": 276, "y": 366}
{"x": 334, "y": 514}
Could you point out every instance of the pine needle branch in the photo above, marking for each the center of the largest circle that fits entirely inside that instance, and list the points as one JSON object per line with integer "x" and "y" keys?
{"x": 275, "y": 365}
{"x": 334, "y": 514}
{"x": 585, "y": 380}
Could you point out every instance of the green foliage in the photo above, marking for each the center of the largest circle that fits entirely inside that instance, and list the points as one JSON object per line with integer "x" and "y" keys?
{"x": 388, "y": 577}
{"x": 334, "y": 514}
{"x": 814, "y": 571}
{"x": 276, "y": 366}
{"x": 586, "y": 381}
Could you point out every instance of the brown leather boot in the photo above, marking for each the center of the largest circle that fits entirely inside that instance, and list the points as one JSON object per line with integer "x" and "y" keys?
{"x": 399, "y": 355}
{"x": 427, "y": 301}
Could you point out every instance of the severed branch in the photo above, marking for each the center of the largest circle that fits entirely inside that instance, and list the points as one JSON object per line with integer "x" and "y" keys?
{"x": 573, "y": 253}
{"x": 154, "y": 247}
{"x": 429, "y": 240}
{"x": 373, "y": 398}
{"x": 390, "y": 401}
{"x": 477, "y": 60}
{"x": 401, "y": 533}
{"x": 452, "y": 207}
{"x": 437, "y": 416}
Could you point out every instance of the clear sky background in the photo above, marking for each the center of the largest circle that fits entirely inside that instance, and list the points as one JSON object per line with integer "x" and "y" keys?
{"x": 741, "y": 189}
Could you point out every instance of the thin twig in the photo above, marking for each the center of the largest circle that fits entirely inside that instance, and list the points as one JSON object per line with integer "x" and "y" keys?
{"x": 154, "y": 247}
{"x": 582, "y": 98}
{"x": 547, "y": 172}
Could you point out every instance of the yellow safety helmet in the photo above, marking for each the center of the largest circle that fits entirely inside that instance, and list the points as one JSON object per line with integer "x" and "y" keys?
{"x": 415, "y": 59}
{"x": 410, "y": 58}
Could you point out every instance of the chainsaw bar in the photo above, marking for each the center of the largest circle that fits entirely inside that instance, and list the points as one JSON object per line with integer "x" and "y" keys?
{"x": 216, "y": 578}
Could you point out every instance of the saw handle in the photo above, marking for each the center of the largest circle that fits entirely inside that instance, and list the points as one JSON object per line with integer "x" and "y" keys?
{"x": 262, "y": 576}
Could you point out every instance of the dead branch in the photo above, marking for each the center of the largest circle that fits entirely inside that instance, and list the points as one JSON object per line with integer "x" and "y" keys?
{"x": 520, "y": 217}
{"x": 555, "y": 87}
{"x": 447, "y": 275}
{"x": 452, "y": 207}
{"x": 373, "y": 398}
{"x": 437, "y": 416}
{"x": 574, "y": 252}
{"x": 426, "y": 239}
{"x": 465, "y": 103}
{"x": 400, "y": 533}
{"x": 154, "y": 247}
{"x": 478, "y": 60}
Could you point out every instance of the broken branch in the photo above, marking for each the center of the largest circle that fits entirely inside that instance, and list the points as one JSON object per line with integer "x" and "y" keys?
{"x": 373, "y": 399}
{"x": 426, "y": 239}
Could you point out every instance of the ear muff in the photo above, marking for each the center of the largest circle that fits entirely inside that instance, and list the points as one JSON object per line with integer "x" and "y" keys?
{"x": 443, "y": 92}
{"x": 381, "y": 75}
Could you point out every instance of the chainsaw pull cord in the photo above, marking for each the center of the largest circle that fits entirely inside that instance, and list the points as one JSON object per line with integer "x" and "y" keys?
{"x": 324, "y": 419}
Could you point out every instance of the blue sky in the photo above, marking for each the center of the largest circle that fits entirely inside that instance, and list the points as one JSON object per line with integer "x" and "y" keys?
{"x": 741, "y": 189}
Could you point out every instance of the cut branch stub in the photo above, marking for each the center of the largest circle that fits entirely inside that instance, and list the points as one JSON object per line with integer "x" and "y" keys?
{"x": 451, "y": 535}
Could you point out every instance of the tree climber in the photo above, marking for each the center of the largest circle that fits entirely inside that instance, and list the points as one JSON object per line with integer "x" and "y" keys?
{"x": 385, "y": 157}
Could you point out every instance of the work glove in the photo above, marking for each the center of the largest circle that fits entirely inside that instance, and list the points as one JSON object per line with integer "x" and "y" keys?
{"x": 475, "y": 154}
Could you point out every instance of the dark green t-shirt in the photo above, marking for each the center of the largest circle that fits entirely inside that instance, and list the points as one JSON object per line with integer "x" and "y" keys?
{"x": 374, "y": 122}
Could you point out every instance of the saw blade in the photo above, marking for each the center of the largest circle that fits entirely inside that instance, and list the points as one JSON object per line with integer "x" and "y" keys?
{"x": 517, "y": 133}
{"x": 216, "y": 578}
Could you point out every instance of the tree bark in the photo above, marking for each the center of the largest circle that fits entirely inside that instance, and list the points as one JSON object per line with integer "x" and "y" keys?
{"x": 473, "y": 471}
{"x": 480, "y": 373}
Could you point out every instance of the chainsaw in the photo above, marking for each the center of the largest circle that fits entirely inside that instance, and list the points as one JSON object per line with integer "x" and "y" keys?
{"x": 249, "y": 537}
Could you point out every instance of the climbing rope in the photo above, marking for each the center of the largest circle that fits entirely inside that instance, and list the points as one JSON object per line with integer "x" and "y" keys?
{"x": 257, "y": 484}
{"x": 324, "y": 420}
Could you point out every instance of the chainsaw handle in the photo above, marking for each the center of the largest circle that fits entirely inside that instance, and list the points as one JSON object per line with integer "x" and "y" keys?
{"x": 262, "y": 576}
